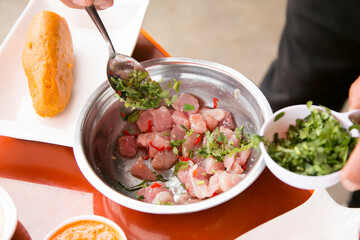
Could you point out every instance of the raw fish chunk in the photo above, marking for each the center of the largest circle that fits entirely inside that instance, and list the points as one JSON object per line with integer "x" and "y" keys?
{"x": 157, "y": 194}
{"x": 164, "y": 160}
{"x": 143, "y": 140}
{"x": 186, "y": 99}
{"x": 235, "y": 163}
{"x": 230, "y": 135}
{"x": 197, "y": 123}
{"x": 180, "y": 119}
{"x": 217, "y": 113}
{"x": 189, "y": 144}
{"x": 177, "y": 133}
{"x": 211, "y": 166}
{"x": 140, "y": 170}
{"x": 222, "y": 181}
{"x": 162, "y": 119}
{"x": 195, "y": 180}
{"x": 127, "y": 146}
{"x": 144, "y": 119}
{"x": 227, "y": 121}
{"x": 211, "y": 123}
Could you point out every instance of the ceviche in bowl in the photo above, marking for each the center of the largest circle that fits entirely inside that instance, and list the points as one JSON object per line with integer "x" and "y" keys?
{"x": 190, "y": 152}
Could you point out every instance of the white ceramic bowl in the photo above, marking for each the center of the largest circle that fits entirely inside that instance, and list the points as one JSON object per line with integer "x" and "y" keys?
{"x": 281, "y": 126}
{"x": 8, "y": 215}
{"x": 99, "y": 124}
{"x": 87, "y": 217}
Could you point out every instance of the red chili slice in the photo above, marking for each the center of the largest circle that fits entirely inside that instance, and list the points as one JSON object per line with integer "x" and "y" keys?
{"x": 122, "y": 114}
{"x": 155, "y": 185}
{"x": 197, "y": 140}
{"x": 149, "y": 126}
{"x": 215, "y": 101}
{"x": 243, "y": 166}
{"x": 159, "y": 149}
{"x": 185, "y": 159}
{"x": 126, "y": 133}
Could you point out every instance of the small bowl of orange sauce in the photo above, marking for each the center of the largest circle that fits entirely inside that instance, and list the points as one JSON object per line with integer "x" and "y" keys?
{"x": 87, "y": 227}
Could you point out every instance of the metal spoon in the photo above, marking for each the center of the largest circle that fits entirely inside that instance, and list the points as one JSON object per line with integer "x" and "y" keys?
{"x": 281, "y": 125}
{"x": 119, "y": 65}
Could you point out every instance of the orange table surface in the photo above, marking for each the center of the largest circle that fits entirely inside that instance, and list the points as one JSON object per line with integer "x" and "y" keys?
{"x": 52, "y": 172}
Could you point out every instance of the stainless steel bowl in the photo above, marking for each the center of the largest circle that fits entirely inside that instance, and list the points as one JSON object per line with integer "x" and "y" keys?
{"x": 99, "y": 124}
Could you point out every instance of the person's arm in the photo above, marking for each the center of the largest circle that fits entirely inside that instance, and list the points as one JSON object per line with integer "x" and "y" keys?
{"x": 99, "y": 4}
{"x": 350, "y": 177}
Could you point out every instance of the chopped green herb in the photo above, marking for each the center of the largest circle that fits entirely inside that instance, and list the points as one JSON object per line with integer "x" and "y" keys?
{"x": 316, "y": 145}
{"x": 222, "y": 138}
{"x": 188, "y": 131}
{"x": 170, "y": 101}
{"x": 176, "y": 143}
{"x": 176, "y": 86}
{"x": 143, "y": 184}
{"x": 216, "y": 145}
{"x": 133, "y": 116}
{"x": 161, "y": 178}
{"x": 141, "y": 197}
{"x": 200, "y": 182}
{"x": 280, "y": 115}
{"x": 180, "y": 166}
{"x": 139, "y": 91}
{"x": 188, "y": 107}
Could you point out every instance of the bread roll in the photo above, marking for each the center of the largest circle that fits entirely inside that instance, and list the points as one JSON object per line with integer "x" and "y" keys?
{"x": 47, "y": 60}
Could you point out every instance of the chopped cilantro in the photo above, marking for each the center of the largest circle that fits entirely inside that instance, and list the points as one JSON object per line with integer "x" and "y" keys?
{"x": 180, "y": 166}
{"x": 188, "y": 131}
{"x": 188, "y": 107}
{"x": 222, "y": 138}
{"x": 280, "y": 115}
{"x": 216, "y": 145}
{"x": 143, "y": 184}
{"x": 201, "y": 182}
{"x": 176, "y": 143}
{"x": 141, "y": 197}
{"x": 139, "y": 91}
{"x": 176, "y": 86}
{"x": 316, "y": 145}
{"x": 133, "y": 116}
{"x": 161, "y": 178}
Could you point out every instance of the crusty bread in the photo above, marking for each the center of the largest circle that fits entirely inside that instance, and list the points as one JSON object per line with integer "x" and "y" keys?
{"x": 47, "y": 60}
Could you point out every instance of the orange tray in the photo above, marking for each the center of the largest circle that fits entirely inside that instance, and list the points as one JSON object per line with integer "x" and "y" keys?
{"x": 48, "y": 187}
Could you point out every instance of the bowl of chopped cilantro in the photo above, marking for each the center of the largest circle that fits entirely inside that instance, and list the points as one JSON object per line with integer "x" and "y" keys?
{"x": 306, "y": 146}
{"x": 120, "y": 150}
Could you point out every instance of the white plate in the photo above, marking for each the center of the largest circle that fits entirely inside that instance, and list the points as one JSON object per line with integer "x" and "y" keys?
{"x": 17, "y": 116}
{"x": 320, "y": 217}
{"x": 8, "y": 215}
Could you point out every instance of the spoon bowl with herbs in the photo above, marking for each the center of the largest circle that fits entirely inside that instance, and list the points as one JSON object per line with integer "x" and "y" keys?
{"x": 306, "y": 146}
{"x": 127, "y": 76}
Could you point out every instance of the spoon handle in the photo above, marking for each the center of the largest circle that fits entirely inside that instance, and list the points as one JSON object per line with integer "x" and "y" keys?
{"x": 91, "y": 10}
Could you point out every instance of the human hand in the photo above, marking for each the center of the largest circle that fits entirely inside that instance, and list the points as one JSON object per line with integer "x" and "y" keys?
{"x": 350, "y": 177}
{"x": 99, "y": 4}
